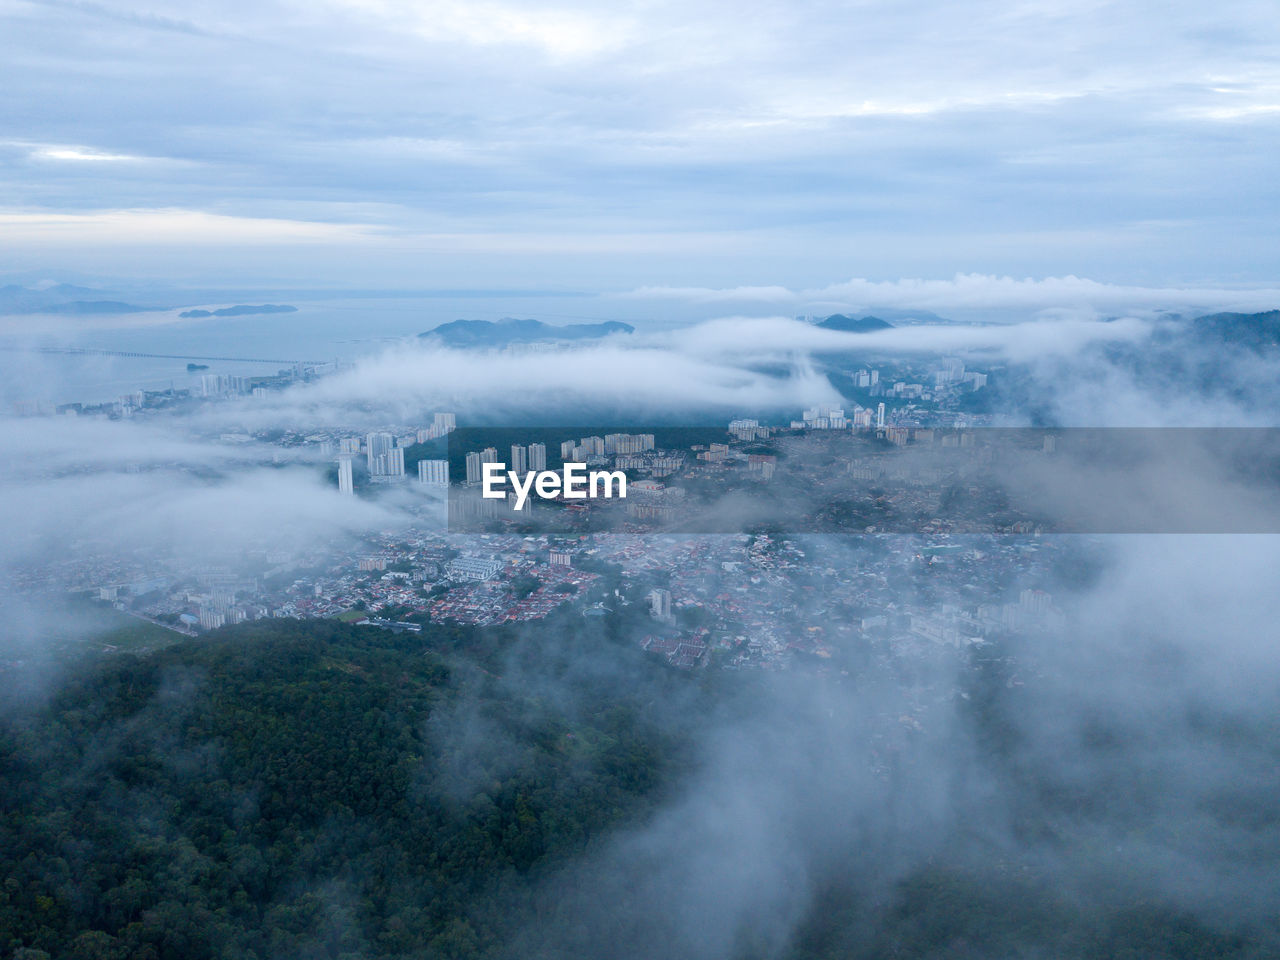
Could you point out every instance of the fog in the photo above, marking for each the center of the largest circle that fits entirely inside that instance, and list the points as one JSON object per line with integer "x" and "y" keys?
{"x": 1122, "y": 754}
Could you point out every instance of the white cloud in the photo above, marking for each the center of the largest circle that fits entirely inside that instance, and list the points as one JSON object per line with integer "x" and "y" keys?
{"x": 760, "y": 339}
{"x": 82, "y": 154}
{"x": 976, "y": 291}
{"x": 709, "y": 295}
{"x": 557, "y": 32}
{"x": 196, "y": 228}
{"x": 644, "y": 379}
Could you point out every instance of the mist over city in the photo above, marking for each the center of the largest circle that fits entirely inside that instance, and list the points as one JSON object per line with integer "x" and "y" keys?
{"x": 724, "y": 482}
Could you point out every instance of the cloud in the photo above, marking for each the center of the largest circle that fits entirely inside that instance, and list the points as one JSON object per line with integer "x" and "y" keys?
{"x": 708, "y": 295}
{"x": 1067, "y": 292}
{"x": 189, "y": 227}
{"x": 605, "y": 379}
{"x": 761, "y": 338}
{"x": 559, "y": 33}
{"x": 852, "y": 142}
{"x": 83, "y": 154}
{"x": 974, "y": 291}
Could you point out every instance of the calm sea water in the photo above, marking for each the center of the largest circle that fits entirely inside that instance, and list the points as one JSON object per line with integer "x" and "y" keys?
{"x": 344, "y": 329}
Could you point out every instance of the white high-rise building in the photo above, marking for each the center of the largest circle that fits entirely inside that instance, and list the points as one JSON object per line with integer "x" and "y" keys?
{"x": 389, "y": 464}
{"x": 433, "y": 471}
{"x": 214, "y": 384}
{"x": 660, "y": 604}
{"x": 537, "y": 456}
{"x": 395, "y": 462}
{"x": 623, "y": 443}
{"x": 1035, "y": 601}
{"x": 566, "y": 450}
{"x": 377, "y": 445}
{"x": 879, "y": 415}
{"x": 346, "y": 484}
{"x": 474, "y": 467}
{"x": 441, "y": 424}
{"x": 519, "y": 460}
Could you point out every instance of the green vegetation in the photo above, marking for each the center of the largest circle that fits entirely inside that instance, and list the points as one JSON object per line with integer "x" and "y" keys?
{"x": 83, "y": 625}
{"x": 318, "y": 789}
{"x": 290, "y": 788}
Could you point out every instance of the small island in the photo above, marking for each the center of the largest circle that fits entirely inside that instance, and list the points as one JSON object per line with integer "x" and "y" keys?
{"x": 239, "y": 310}
{"x": 486, "y": 333}
{"x": 193, "y": 367}
{"x": 868, "y": 324}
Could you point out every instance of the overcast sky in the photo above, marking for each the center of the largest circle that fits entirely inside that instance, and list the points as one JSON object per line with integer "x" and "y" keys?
{"x": 484, "y": 143}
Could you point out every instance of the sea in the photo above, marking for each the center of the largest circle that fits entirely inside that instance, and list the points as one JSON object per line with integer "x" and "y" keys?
{"x": 322, "y": 329}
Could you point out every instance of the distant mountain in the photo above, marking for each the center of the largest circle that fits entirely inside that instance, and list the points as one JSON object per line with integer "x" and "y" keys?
{"x": 1254, "y": 331}
{"x": 239, "y": 310}
{"x": 838, "y": 321}
{"x": 898, "y": 316}
{"x": 70, "y": 290}
{"x": 81, "y": 307}
{"x": 20, "y": 301}
{"x": 486, "y": 333}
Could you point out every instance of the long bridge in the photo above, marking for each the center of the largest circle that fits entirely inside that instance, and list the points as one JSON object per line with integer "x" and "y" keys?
{"x": 85, "y": 351}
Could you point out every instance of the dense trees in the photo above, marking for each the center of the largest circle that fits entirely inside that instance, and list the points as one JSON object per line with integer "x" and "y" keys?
{"x": 300, "y": 789}
{"x": 319, "y": 789}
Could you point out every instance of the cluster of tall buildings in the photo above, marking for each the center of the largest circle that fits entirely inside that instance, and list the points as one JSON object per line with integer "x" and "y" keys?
{"x": 441, "y": 424}
{"x": 833, "y": 418}
{"x": 715, "y": 453}
{"x": 949, "y": 375}
{"x": 476, "y": 460}
{"x": 524, "y": 459}
{"x": 748, "y": 430}
{"x": 385, "y": 455}
{"x": 579, "y": 451}
{"x": 223, "y": 385}
{"x": 762, "y": 463}
{"x": 124, "y": 405}
{"x": 952, "y": 371}
{"x": 533, "y": 457}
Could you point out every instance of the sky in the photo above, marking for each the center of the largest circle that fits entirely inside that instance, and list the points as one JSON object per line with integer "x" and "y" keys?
{"x": 497, "y": 144}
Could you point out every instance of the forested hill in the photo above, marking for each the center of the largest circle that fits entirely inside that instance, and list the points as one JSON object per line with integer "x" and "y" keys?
{"x": 299, "y": 789}
{"x": 488, "y": 333}
{"x": 838, "y": 321}
{"x": 1254, "y": 331}
{"x": 292, "y": 789}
